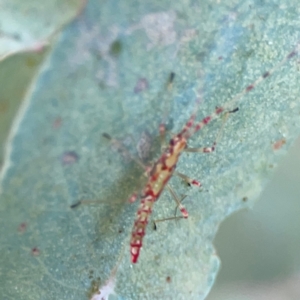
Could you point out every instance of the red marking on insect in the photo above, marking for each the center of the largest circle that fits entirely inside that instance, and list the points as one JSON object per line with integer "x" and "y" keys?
{"x": 219, "y": 110}
{"x": 189, "y": 123}
{"x": 278, "y": 144}
{"x": 184, "y": 212}
{"x": 35, "y": 251}
{"x": 249, "y": 87}
{"x": 206, "y": 120}
{"x": 196, "y": 183}
{"x": 22, "y": 227}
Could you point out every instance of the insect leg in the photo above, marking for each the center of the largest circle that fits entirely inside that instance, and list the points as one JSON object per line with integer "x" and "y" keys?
{"x": 162, "y": 125}
{"x": 85, "y": 202}
{"x": 187, "y": 179}
{"x": 183, "y": 210}
{"x": 119, "y": 145}
{"x": 179, "y": 204}
{"x": 213, "y": 147}
{"x": 166, "y": 219}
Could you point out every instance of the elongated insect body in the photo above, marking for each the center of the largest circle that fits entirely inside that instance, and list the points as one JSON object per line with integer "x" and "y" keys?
{"x": 164, "y": 168}
{"x": 159, "y": 176}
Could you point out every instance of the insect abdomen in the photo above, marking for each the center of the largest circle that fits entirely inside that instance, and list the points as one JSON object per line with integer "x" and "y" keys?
{"x": 159, "y": 177}
{"x": 139, "y": 227}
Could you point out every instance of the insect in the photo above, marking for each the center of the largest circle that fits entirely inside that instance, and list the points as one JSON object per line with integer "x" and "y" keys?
{"x": 159, "y": 174}
{"x": 162, "y": 171}
{"x": 164, "y": 167}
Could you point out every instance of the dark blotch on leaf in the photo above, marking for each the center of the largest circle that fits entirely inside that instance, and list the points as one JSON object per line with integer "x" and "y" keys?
{"x": 154, "y": 226}
{"x": 75, "y": 204}
{"x": 35, "y": 251}
{"x": 115, "y": 48}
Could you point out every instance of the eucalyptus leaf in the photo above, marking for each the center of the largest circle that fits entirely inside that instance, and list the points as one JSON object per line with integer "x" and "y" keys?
{"x": 108, "y": 73}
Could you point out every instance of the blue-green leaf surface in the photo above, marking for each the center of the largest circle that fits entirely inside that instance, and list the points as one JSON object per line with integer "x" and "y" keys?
{"x": 108, "y": 74}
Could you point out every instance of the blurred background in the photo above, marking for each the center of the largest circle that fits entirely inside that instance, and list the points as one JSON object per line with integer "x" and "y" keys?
{"x": 260, "y": 248}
